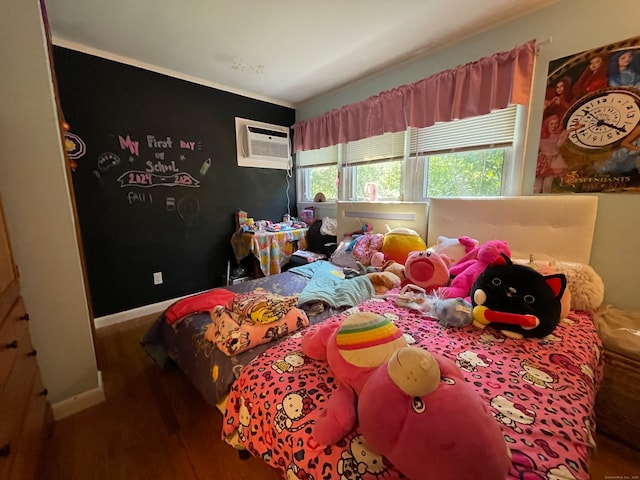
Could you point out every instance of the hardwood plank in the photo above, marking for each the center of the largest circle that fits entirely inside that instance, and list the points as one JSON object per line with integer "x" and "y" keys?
{"x": 154, "y": 425}
{"x": 614, "y": 460}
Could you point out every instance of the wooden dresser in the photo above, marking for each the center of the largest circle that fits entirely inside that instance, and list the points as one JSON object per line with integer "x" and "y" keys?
{"x": 25, "y": 412}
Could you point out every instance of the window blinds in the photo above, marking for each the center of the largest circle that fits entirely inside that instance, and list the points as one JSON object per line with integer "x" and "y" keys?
{"x": 319, "y": 157}
{"x": 381, "y": 147}
{"x": 495, "y": 128}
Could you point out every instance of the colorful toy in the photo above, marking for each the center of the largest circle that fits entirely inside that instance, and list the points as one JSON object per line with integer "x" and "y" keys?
{"x": 454, "y": 248}
{"x": 366, "y": 246}
{"x": 418, "y": 411}
{"x": 366, "y": 228}
{"x": 470, "y": 266}
{"x": 353, "y": 349}
{"x": 426, "y": 269}
{"x": 517, "y": 300}
{"x": 399, "y": 242}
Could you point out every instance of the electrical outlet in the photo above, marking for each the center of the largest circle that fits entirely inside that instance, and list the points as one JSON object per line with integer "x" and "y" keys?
{"x": 157, "y": 278}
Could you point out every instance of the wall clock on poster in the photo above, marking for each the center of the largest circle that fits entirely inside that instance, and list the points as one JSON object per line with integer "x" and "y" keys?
{"x": 599, "y": 121}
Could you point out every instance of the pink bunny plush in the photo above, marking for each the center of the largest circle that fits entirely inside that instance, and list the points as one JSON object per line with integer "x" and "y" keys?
{"x": 471, "y": 265}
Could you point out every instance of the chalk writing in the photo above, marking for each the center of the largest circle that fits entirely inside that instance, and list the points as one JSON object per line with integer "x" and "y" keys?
{"x": 139, "y": 198}
{"x": 98, "y": 177}
{"x": 159, "y": 155}
{"x": 161, "y": 167}
{"x": 108, "y": 160}
{"x": 147, "y": 179}
{"x": 205, "y": 166}
{"x": 152, "y": 142}
{"x": 74, "y": 145}
{"x": 128, "y": 144}
{"x": 187, "y": 145}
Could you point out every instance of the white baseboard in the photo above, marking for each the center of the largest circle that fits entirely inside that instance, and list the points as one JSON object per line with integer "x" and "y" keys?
{"x": 79, "y": 402}
{"x": 119, "y": 317}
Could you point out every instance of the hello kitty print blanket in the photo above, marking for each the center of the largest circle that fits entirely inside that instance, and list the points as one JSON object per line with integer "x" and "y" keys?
{"x": 541, "y": 391}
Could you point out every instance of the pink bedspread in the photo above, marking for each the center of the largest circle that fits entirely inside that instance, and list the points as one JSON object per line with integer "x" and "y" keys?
{"x": 541, "y": 391}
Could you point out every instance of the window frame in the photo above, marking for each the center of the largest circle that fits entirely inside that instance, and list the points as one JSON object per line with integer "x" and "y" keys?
{"x": 413, "y": 187}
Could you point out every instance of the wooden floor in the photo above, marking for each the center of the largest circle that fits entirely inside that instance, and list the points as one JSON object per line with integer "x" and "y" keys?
{"x": 154, "y": 425}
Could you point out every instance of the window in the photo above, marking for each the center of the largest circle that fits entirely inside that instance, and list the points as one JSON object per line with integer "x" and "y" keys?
{"x": 469, "y": 157}
{"x": 475, "y": 173}
{"x": 378, "y": 181}
{"x": 317, "y": 171}
{"x": 373, "y": 167}
{"x": 318, "y": 179}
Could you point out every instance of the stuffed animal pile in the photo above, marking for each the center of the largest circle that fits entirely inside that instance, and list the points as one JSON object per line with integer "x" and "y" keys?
{"x": 471, "y": 265}
{"x": 412, "y": 406}
{"x": 456, "y": 293}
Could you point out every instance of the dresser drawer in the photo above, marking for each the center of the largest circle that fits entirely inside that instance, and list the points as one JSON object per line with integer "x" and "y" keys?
{"x": 15, "y": 399}
{"x": 14, "y": 332}
{"x": 28, "y": 447}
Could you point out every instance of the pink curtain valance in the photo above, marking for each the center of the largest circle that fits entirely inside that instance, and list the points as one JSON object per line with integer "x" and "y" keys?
{"x": 476, "y": 88}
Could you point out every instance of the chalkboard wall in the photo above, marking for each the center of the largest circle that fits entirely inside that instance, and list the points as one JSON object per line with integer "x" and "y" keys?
{"x": 157, "y": 182}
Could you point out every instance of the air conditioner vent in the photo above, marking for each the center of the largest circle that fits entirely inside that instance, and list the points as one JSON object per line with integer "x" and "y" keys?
{"x": 262, "y": 145}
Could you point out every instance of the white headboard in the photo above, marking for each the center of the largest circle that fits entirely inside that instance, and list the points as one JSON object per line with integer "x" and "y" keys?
{"x": 353, "y": 215}
{"x": 549, "y": 226}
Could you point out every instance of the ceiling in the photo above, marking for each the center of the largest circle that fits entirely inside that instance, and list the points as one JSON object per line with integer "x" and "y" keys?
{"x": 284, "y": 51}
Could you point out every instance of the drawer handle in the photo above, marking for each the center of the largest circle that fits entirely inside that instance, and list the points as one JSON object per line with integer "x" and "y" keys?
{"x": 24, "y": 317}
{"x": 5, "y": 450}
{"x": 43, "y": 392}
{"x": 32, "y": 353}
{"x": 13, "y": 344}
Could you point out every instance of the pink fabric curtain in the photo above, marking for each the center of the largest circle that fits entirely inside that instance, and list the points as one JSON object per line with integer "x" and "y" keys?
{"x": 476, "y": 88}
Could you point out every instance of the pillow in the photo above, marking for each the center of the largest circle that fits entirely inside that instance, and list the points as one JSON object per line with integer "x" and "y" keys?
{"x": 584, "y": 284}
{"x": 341, "y": 257}
{"x": 329, "y": 226}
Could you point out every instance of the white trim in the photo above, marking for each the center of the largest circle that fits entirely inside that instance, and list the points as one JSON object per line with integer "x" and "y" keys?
{"x": 410, "y": 217}
{"x": 120, "y": 317}
{"x": 79, "y": 402}
{"x": 154, "y": 68}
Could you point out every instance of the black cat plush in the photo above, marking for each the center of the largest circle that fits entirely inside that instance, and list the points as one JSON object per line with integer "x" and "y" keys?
{"x": 517, "y": 300}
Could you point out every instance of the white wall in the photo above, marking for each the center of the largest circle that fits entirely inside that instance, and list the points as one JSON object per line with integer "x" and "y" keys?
{"x": 572, "y": 26}
{"x": 36, "y": 199}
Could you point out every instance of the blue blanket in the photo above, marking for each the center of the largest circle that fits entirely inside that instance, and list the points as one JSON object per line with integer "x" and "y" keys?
{"x": 328, "y": 285}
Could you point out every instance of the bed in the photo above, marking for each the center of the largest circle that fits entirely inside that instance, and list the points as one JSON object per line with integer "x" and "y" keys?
{"x": 183, "y": 342}
{"x": 541, "y": 392}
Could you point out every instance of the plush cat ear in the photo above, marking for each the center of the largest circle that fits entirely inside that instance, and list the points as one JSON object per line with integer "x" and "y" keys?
{"x": 501, "y": 260}
{"x": 557, "y": 282}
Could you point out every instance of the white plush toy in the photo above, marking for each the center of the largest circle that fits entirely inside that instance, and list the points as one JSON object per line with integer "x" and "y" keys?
{"x": 454, "y": 248}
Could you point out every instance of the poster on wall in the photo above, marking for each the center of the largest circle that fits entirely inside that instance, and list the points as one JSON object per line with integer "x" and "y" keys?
{"x": 590, "y": 135}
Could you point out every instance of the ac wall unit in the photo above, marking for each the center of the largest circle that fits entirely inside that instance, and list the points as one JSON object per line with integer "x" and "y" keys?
{"x": 262, "y": 145}
{"x": 266, "y": 143}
